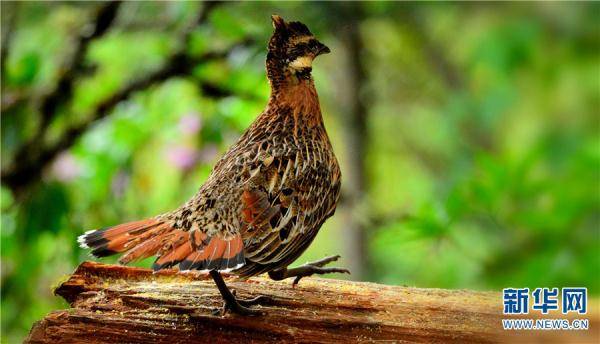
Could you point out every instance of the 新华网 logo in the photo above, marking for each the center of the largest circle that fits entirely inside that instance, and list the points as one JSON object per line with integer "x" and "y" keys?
{"x": 516, "y": 300}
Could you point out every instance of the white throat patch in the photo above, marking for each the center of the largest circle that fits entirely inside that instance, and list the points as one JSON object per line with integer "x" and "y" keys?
{"x": 301, "y": 62}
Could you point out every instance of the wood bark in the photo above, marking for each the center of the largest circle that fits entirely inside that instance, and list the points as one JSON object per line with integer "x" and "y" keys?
{"x": 117, "y": 304}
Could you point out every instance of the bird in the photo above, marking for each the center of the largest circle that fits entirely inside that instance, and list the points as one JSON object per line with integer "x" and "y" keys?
{"x": 265, "y": 199}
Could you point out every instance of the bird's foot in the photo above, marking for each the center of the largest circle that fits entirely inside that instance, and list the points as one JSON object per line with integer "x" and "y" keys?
{"x": 259, "y": 300}
{"x": 231, "y": 302}
{"x": 325, "y": 261}
{"x": 241, "y": 306}
{"x": 308, "y": 269}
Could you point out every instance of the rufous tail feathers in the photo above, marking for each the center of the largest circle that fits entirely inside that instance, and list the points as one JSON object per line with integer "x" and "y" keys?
{"x": 192, "y": 250}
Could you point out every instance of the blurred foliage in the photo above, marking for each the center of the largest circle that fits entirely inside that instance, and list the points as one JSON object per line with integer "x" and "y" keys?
{"x": 483, "y": 161}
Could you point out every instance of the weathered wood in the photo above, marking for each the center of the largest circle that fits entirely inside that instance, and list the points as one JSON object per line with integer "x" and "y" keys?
{"x": 116, "y": 304}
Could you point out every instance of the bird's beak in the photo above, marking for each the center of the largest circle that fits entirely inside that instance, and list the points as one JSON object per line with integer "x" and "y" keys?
{"x": 321, "y": 49}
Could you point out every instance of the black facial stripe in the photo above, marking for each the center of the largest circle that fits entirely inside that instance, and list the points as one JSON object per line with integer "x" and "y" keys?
{"x": 298, "y": 50}
{"x": 301, "y": 46}
{"x": 301, "y": 49}
{"x": 304, "y": 73}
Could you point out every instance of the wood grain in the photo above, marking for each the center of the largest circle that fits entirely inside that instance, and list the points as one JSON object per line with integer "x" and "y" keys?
{"x": 117, "y": 304}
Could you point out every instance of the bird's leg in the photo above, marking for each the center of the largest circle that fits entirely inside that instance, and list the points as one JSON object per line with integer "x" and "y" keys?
{"x": 232, "y": 303}
{"x": 307, "y": 269}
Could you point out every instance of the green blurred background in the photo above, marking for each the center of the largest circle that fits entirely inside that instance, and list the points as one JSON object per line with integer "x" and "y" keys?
{"x": 468, "y": 134}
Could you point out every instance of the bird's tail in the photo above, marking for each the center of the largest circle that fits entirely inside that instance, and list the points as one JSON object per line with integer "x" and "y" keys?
{"x": 140, "y": 239}
{"x": 153, "y": 237}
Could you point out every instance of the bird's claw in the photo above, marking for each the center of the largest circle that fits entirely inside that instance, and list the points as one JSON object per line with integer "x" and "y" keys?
{"x": 242, "y": 307}
{"x": 316, "y": 267}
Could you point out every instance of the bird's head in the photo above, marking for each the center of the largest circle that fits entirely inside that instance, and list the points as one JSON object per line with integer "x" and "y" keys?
{"x": 293, "y": 47}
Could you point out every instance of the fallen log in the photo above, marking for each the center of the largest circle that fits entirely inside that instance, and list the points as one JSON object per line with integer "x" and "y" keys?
{"x": 117, "y": 304}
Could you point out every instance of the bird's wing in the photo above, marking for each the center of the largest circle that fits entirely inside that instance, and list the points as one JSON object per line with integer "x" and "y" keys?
{"x": 285, "y": 200}
{"x": 197, "y": 251}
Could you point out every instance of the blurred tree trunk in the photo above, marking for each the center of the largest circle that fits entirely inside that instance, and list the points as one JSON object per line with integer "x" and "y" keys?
{"x": 356, "y": 140}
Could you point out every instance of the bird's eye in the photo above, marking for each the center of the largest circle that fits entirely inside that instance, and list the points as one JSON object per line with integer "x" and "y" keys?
{"x": 301, "y": 47}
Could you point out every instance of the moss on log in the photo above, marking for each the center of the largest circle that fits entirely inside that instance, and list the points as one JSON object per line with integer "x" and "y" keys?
{"x": 117, "y": 304}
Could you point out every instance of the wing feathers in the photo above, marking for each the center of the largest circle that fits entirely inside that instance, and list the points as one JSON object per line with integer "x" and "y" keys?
{"x": 219, "y": 254}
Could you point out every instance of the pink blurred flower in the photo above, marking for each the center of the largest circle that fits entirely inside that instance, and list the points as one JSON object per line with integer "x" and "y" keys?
{"x": 208, "y": 153}
{"x": 183, "y": 157}
{"x": 65, "y": 167}
{"x": 190, "y": 123}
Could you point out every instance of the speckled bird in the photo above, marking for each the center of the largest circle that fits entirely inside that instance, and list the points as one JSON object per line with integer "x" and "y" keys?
{"x": 266, "y": 198}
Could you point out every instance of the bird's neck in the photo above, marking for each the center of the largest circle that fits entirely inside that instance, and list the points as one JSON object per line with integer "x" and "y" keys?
{"x": 292, "y": 88}
{"x": 293, "y": 94}
{"x": 299, "y": 95}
